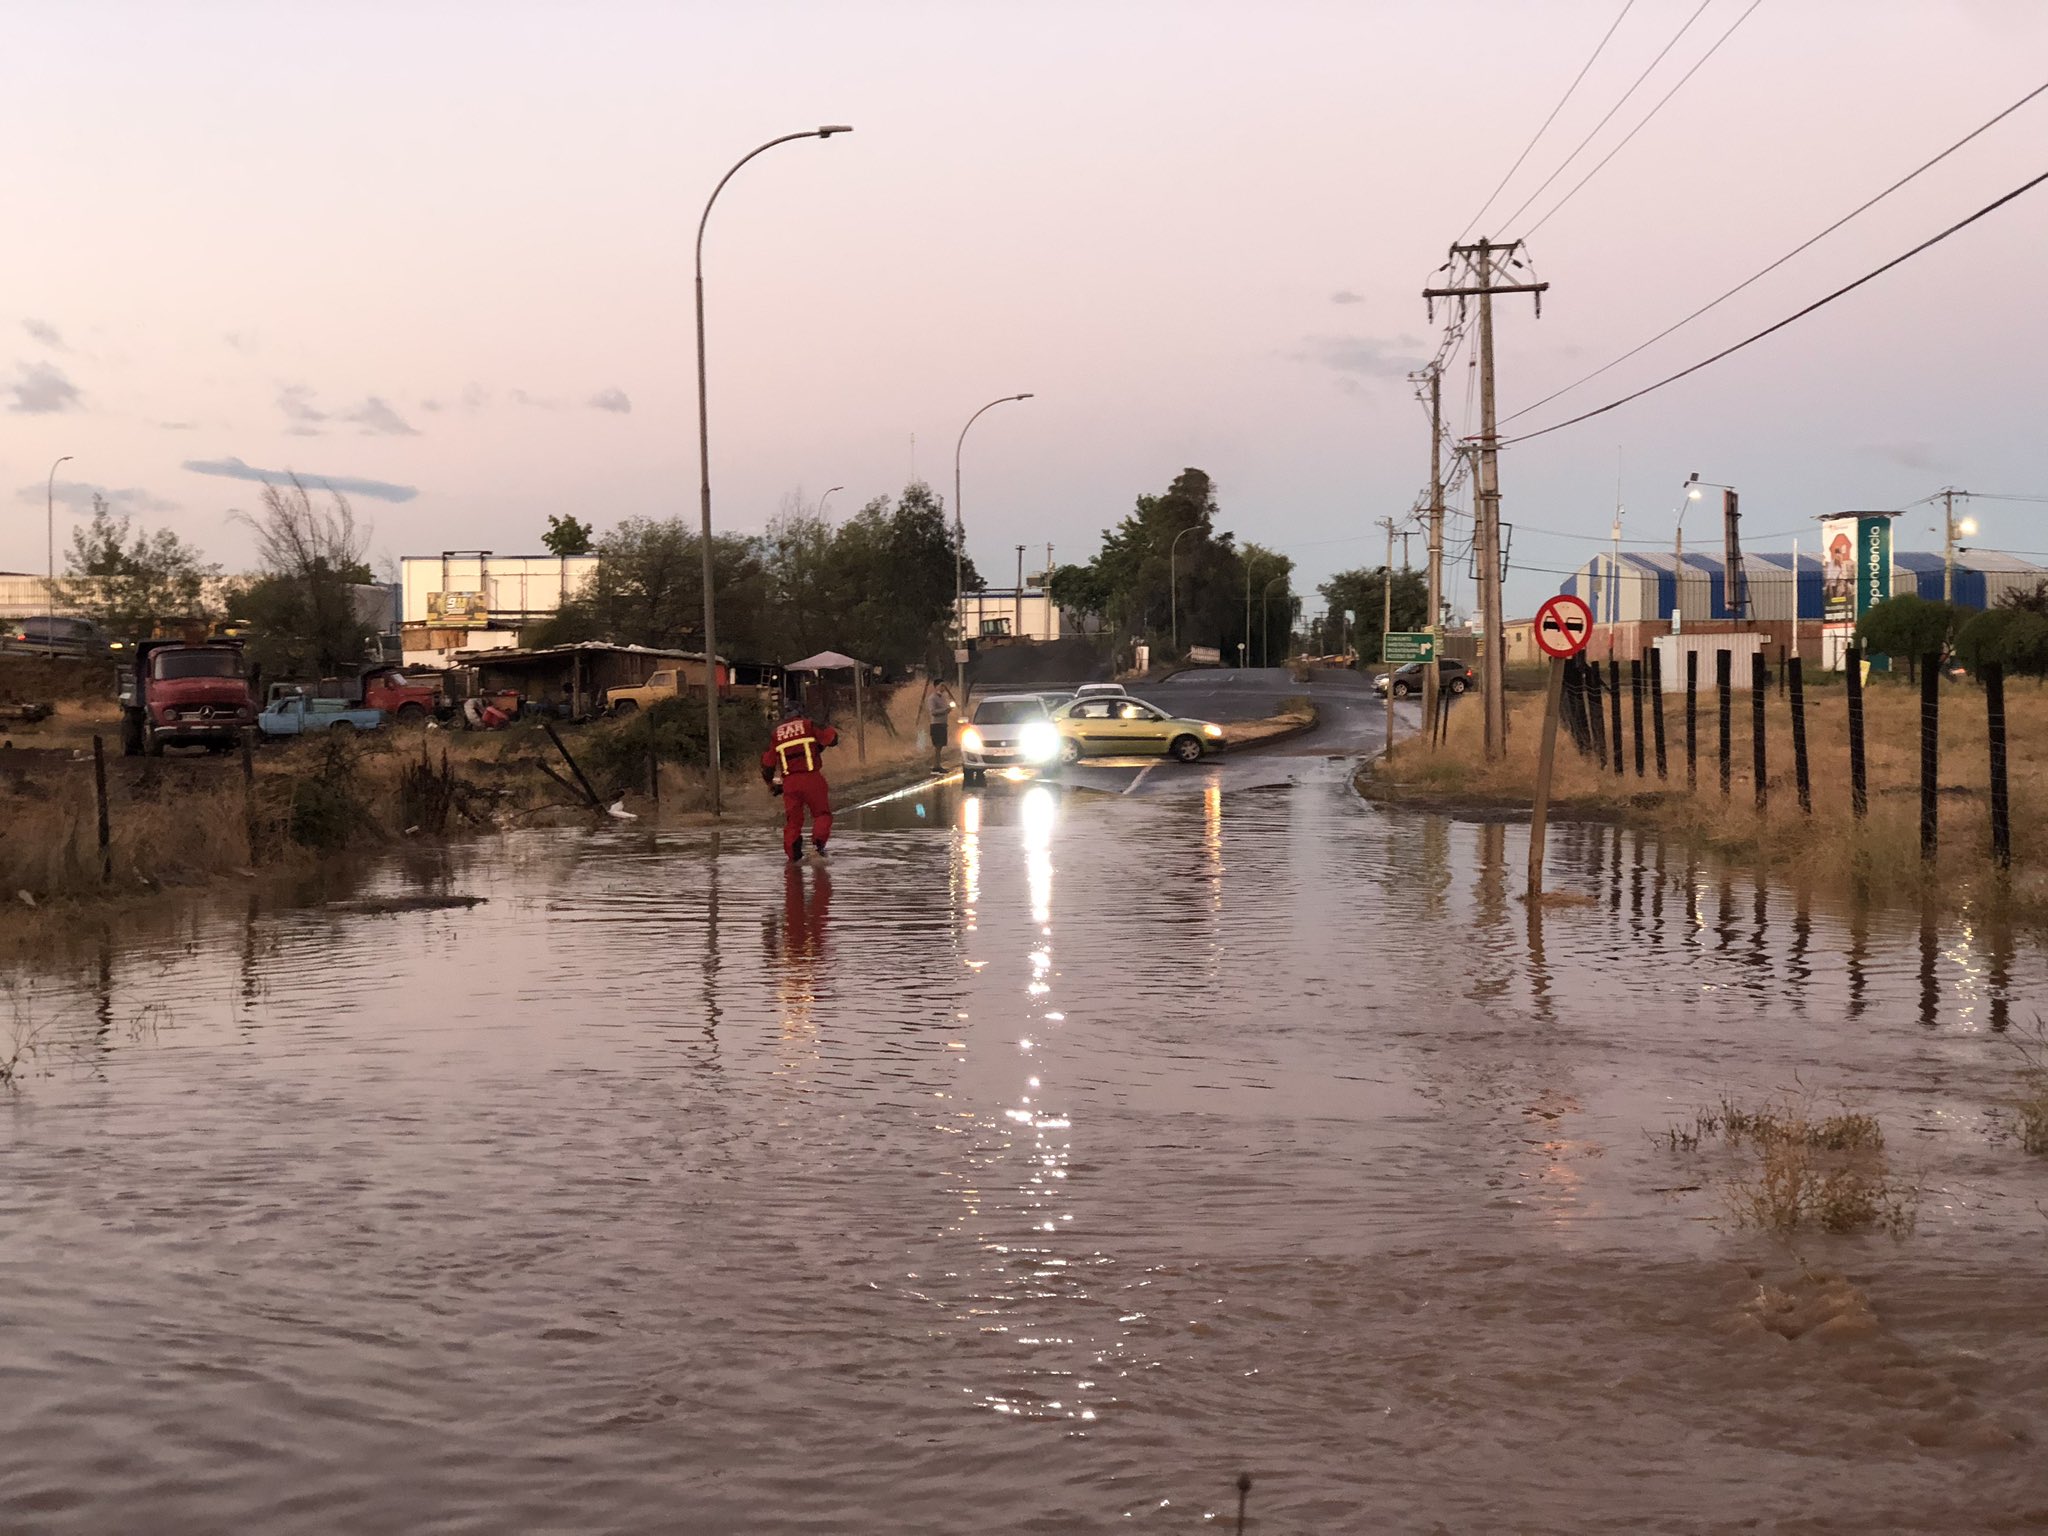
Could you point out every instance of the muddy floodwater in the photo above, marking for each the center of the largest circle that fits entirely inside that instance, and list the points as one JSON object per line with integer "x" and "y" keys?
{"x": 1052, "y": 1157}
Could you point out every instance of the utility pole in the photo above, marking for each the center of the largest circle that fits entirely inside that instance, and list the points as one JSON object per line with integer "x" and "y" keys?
{"x": 1485, "y": 263}
{"x": 1435, "y": 621}
{"x": 1386, "y": 624}
{"x": 1017, "y": 629}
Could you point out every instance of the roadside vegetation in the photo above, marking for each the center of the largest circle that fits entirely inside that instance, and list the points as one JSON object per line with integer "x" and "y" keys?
{"x": 1878, "y": 855}
{"x": 1790, "y": 1168}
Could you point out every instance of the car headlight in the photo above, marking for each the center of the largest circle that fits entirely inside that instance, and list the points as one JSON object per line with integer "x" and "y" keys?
{"x": 970, "y": 740}
{"x": 1039, "y": 742}
{"x": 1212, "y": 730}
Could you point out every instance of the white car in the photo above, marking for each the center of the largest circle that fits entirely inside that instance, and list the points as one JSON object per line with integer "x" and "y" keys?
{"x": 1101, "y": 690}
{"x": 1009, "y": 730}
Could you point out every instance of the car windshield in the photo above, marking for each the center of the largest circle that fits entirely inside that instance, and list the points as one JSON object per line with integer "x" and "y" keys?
{"x": 173, "y": 664}
{"x": 1008, "y": 711}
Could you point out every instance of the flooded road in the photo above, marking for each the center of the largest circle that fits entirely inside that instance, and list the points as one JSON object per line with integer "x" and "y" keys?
{"x": 1054, "y": 1155}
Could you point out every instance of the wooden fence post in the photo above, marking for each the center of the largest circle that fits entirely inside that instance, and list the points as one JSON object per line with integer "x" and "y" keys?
{"x": 1859, "y": 791}
{"x": 1692, "y": 720}
{"x": 1724, "y": 677}
{"x": 1930, "y": 752}
{"x": 1635, "y": 704}
{"x": 1657, "y": 705}
{"x": 1759, "y": 689}
{"x": 1596, "y": 708}
{"x": 99, "y": 791}
{"x": 1614, "y": 692}
{"x": 249, "y": 830}
{"x": 1993, "y": 676}
{"x": 1797, "y": 680}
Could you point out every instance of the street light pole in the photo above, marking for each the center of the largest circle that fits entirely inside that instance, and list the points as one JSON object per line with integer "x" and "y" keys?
{"x": 704, "y": 460}
{"x": 825, "y": 498}
{"x": 959, "y": 558}
{"x": 50, "y": 529}
{"x": 1173, "y": 583}
{"x": 1265, "y": 636}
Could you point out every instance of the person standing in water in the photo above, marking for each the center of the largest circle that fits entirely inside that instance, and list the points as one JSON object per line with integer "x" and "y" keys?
{"x": 794, "y": 768}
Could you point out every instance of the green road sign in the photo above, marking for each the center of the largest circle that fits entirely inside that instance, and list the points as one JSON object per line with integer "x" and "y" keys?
{"x": 1400, "y": 648}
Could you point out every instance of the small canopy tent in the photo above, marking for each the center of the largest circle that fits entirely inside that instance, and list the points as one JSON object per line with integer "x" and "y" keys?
{"x": 834, "y": 661}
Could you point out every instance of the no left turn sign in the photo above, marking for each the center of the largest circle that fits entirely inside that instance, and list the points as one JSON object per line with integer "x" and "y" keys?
{"x": 1563, "y": 626}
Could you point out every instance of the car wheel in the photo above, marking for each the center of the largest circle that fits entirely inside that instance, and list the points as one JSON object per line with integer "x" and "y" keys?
{"x": 1187, "y": 748}
{"x": 131, "y": 736}
{"x": 342, "y": 728}
{"x": 1459, "y": 685}
{"x": 152, "y": 744}
{"x": 1400, "y": 690}
{"x": 411, "y": 714}
{"x": 1070, "y": 751}
{"x": 625, "y": 709}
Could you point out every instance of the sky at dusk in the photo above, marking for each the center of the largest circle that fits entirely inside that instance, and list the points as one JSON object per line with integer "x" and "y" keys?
{"x": 440, "y": 256}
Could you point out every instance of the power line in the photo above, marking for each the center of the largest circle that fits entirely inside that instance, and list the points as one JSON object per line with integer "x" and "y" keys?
{"x": 1639, "y": 127}
{"x": 1822, "y": 303}
{"x": 1568, "y": 159}
{"x": 1796, "y": 250}
{"x": 1567, "y": 96}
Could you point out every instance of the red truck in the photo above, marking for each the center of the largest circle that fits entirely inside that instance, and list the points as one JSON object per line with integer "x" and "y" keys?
{"x": 403, "y": 701}
{"x": 177, "y": 695}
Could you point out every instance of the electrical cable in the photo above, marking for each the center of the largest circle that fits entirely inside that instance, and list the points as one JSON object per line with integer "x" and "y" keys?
{"x": 1639, "y": 127}
{"x": 1568, "y": 159}
{"x": 1796, "y": 250}
{"x": 1567, "y": 96}
{"x": 1821, "y": 303}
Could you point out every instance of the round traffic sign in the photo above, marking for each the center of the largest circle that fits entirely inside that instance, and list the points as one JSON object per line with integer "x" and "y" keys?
{"x": 1563, "y": 626}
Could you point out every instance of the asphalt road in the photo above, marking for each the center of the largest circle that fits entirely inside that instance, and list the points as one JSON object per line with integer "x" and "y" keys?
{"x": 1351, "y": 723}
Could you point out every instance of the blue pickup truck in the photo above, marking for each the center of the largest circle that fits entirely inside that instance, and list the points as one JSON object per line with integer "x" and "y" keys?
{"x": 293, "y": 714}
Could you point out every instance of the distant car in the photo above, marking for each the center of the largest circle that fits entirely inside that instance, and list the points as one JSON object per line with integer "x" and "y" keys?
{"x": 54, "y": 637}
{"x": 1099, "y": 690}
{"x": 294, "y": 714}
{"x": 1115, "y": 725}
{"x": 1451, "y": 676}
{"x": 1009, "y": 730}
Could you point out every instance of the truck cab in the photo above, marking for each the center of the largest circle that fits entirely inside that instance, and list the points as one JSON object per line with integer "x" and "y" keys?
{"x": 296, "y": 714}
{"x": 177, "y": 694}
{"x": 404, "y": 700}
{"x": 665, "y": 684}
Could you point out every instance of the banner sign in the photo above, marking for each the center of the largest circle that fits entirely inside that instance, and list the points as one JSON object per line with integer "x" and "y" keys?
{"x": 1856, "y": 566}
{"x": 458, "y": 608}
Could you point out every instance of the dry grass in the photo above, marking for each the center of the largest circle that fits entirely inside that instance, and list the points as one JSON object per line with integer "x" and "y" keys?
{"x": 1831, "y": 847}
{"x": 1296, "y": 713}
{"x": 184, "y": 821}
{"x": 1798, "y": 1169}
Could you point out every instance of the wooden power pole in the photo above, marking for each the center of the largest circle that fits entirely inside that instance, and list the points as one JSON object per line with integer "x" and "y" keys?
{"x": 1480, "y": 271}
{"x": 1434, "y": 622}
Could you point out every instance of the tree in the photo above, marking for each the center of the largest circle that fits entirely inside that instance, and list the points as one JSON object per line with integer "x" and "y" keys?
{"x": 1907, "y": 625}
{"x": 129, "y": 582}
{"x": 2012, "y": 635}
{"x": 1364, "y": 593}
{"x": 303, "y": 606}
{"x": 2033, "y": 600}
{"x": 566, "y": 535}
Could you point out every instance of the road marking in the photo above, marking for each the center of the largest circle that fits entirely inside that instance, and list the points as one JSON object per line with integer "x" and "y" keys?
{"x": 1143, "y": 774}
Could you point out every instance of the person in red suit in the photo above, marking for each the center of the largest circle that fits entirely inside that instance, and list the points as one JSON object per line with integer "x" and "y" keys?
{"x": 794, "y": 767}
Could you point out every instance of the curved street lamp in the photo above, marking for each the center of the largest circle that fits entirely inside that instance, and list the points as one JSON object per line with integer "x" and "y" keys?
{"x": 1694, "y": 485}
{"x": 704, "y": 459}
{"x": 959, "y": 546}
{"x": 825, "y": 498}
{"x": 1265, "y": 639}
{"x": 50, "y": 530}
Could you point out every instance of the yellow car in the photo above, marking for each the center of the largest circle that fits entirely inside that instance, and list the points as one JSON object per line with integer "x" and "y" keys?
{"x": 1115, "y": 726}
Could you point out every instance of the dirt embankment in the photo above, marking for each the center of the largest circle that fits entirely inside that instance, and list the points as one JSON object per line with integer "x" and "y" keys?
{"x": 1876, "y": 854}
